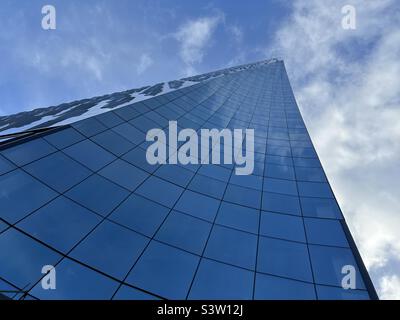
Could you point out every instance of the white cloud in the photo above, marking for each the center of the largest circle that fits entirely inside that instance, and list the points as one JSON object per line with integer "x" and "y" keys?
{"x": 389, "y": 287}
{"x": 194, "y": 37}
{"x": 346, "y": 84}
{"x": 145, "y": 62}
{"x": 236, "y": 32}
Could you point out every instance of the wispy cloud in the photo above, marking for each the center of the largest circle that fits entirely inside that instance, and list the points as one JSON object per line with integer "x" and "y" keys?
{"x": 145, "y": 62}
{"x": 194, "y": 37}
{"x": 346, "y": 83}
{"x": 390, "y": 287}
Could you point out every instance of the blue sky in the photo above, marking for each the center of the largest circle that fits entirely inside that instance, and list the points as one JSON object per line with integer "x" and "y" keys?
{"x": 346, "y": 81}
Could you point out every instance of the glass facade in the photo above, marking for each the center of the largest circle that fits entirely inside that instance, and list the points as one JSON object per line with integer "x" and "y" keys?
{"x": 83, "y": 198}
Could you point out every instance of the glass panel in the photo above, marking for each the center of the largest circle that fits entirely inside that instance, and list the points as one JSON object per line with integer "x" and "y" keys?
{"x": 275, "y": 288}
{"x": 198, "y": 205}
{"x": 216, "y": 172}
{"x": 130, "y": 133}
{"x": 320, "y": 208}
{"x": 5, "y": 165}
{"x": 160, "y": 191}
{"x": 109, "y": 119}
{"x": 58, "y": 171}
{"x": 129, "y": 293}
{"x": 26, "y": 152}
{"x": 111, "y": 248}
{"x": 98, "y": 194}
{"x": 137, "y": 157}
{"x": 284, "y": 258}
{"x": 280, "y": 186}
{"x": 184, "y": 232}
{"x": 333, "y": 293}
{"x": 282, "y": 226}
{"x": 89, "y": 127}
{"x": 208, "y": 186}
{"x": 124, "y": 174}
{"x": 60, "y": 224}
{"x": 251, "y": 181}
{"x": 176, "y": 174}
{"x": 310, "y": 174}
{"x": 304, "y": 162}
{"x": 233, "y": 247}
{"x": 243, "y": 196}
{"x": 281, "y": 203}
{"x": 76, "y": 282}
{"x": 140, "y": 214}
{"x": 238, "y": 217}
{"x": 20, "y": 194}
{"x": 64, "y": 138}
{"x": 113, "y": 142}
{"x": 164, "y": 270}
{"x": 325, "y": 232}
{"x": 328, "y": 263}
{"x": 89, "y": 154}
{"x": 219, "y": 281}
{"x": 315, "y": 189}
{"x": 304, "y": 152}
{"x": 279, "y": 172}
{"x": 22, "y": 259}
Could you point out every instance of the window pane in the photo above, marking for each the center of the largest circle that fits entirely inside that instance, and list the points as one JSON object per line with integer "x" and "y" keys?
{"x": 22, "y": 258}
{"x": 26, "y": 152}
{"x": 276, "y": 288}
{"x": 333, "y": 293}
{"x": 130, "y": 133}
{"x": 61, "y": 223}
{"x": 279, "y": 172}
{"x": 20, "y": 194}
{"x": 89, "y": 154}
{"x": 160, "y": 191}
{"x": 89, "y": 127}
{"x": 198, "y": 205}
{"x": 5, "y": 165}
{"x": 64, "y": 138}
{"x": 58, "y": 171}
{"x": 328, "y": 263}
{"x": 109, "y": 119}
{"x": 76, "y": 282}
{"x": 98, "y": 194}
{"x": 111, "y": 248}
{"x": 280, "y": 186}
{"x": 164, "y": 270}
{"x": 250, "y": 181}
{"x": 140, "y": 214}
{"x": 243, "y": 196}
{"x": 284, "y": 258}
{"x": 124, "y": 174}
{"x": 184, "y": 232}
{"x": 281, "y": 203}
{"x": 325, "y": 232}
{"x": 176, "y": 174}
{"x": 238, "y": 217}
{"x": 112, "y": 142}
{"x": 282, "y": 226}
{"x": 129, "y": 293}
{"x": 219, "y": 281}
{"x": 320, "y": 208}
{"x": 137, "y": 157}
{"x": 310, "y": 174}
{"x": 315, "y": 189}
{"x": 208, "y": 186}
{"x": 231, "y": 246}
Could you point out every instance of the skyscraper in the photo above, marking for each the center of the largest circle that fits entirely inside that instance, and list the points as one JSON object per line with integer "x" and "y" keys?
{"x": 79, "y": 197}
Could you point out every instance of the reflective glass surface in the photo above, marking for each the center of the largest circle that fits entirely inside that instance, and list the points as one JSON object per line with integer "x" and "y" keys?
{"x": 84, "y": 198}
